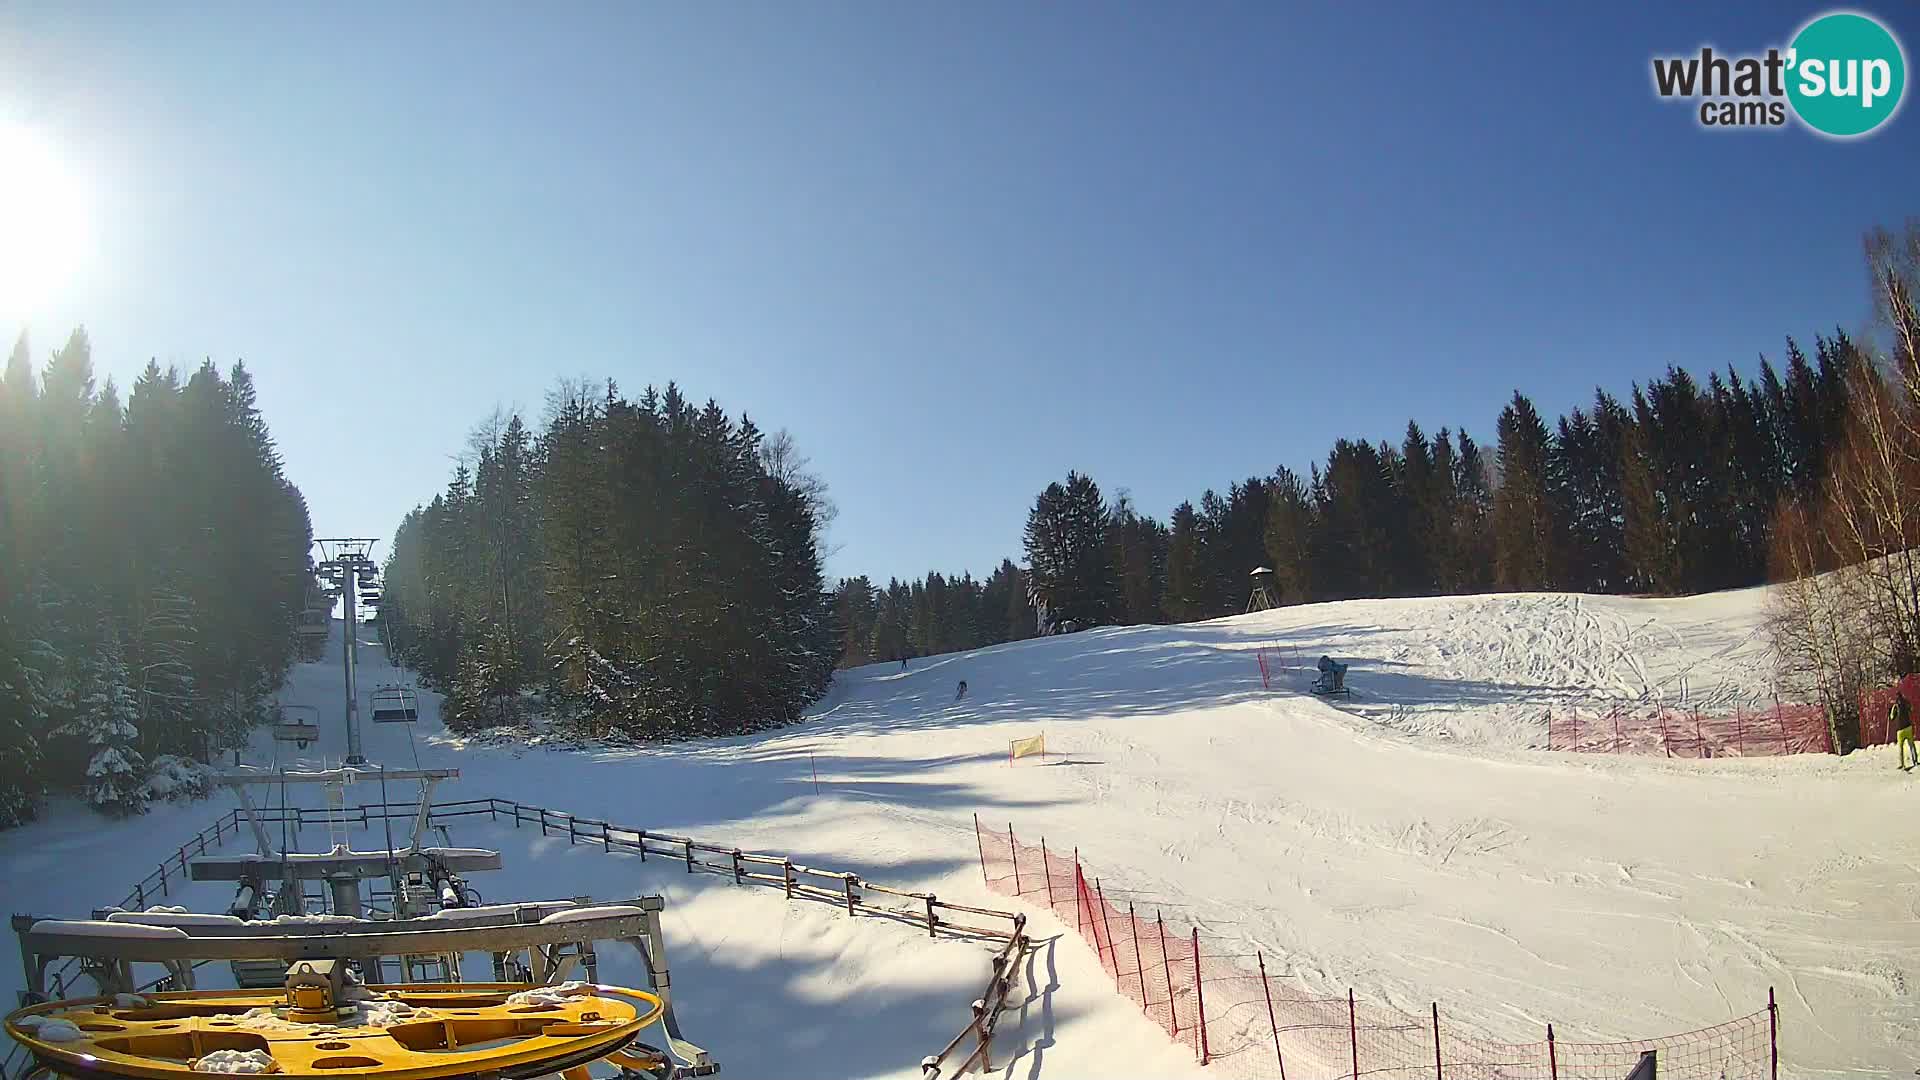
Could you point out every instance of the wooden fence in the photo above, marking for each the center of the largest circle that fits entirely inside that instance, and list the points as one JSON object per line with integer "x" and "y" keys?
{"x": 847, "y": 891}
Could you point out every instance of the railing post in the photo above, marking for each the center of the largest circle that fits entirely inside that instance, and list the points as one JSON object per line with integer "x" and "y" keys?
{"x": 543, "y": 819}
{"x": 1437, "y": 1074}
{"x": 1200, "y": 999}
{"x": 1353, "y": 1032}
{"x": 736, "y": 866}
{"x": 140, "y": 895}
{"x": 1046, "y": 871}
{"x": 850, "y": 879}
{"x": 163, "y": 879}
{"x": 980, "y": 1029}
{"x": 1166, "y": 967}
{"x": 1139, "y": 967}
{"x": 1773, "y": 1033}
{"x": 1013, "y": 846}
{"x": 516, "y": 815}
{"x": 640, "y": 839}
{"x": 786, "y": 872}
{"x": 1272, "y": 1024}
{"x": 606, "y": 837}
{"x": 689, "y": 854}
{"x": 933, "y": 920}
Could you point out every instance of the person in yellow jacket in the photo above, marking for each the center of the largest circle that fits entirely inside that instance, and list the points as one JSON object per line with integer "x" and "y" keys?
{"x": 1901, "y": 717}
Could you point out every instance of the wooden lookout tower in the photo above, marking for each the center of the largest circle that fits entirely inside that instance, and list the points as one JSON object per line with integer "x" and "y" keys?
{"x": 1263, "y": 590}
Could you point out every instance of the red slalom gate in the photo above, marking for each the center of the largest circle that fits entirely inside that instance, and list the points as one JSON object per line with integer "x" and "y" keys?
{"x": 1215, "y": 1002}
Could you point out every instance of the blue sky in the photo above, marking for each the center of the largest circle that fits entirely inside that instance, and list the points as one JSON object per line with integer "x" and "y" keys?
{"x": 955, "y": 249}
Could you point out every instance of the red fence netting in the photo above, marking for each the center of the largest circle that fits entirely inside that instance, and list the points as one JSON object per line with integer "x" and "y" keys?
{"x": 1876, "y": 720}
{"x": 1223, "y": 1004}
{"x": 1769, "y": 731}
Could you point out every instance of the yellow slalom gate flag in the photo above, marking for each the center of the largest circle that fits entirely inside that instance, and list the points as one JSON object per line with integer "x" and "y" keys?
{"x": 1019, "y": 748}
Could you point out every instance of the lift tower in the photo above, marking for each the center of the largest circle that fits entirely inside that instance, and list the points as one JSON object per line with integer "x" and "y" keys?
{"x": 347, "y": 563}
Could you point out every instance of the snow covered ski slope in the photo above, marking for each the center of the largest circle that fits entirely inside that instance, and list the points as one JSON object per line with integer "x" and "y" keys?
{"x": 1411, "y": 845}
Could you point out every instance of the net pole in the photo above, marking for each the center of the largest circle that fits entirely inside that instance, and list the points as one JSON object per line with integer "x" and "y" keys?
{"x": 1013, "y": 847}
{"x": 1166, "y": 967}
{"x": 1437, "y": 1073}
{"x": 1353, "y": 1031}
{"x": 979, "y": 842}
{"x": 1046, "y": 871}
{"x": 1080, "y": 890}
{"x": 1553, "y": 1056}
{"x": 1200, "y": 999}
{"x": 1272, "y": 1024}
{"x": 1773, "y": 1034}
{"x": 1107, "y": 927}
{"x": 1139, "y": 966}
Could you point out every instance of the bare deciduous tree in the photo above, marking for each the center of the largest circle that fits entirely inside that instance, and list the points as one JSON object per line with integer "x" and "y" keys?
{"x": 1846, "y": 614}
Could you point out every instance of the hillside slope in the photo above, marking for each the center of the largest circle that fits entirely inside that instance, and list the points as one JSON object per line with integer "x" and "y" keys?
{"x": 1412, "y": 848}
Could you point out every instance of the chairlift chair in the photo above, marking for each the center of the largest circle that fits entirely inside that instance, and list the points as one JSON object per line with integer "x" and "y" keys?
{"x": 315, "y": 623}
{"x": 395, "y": 705}
{"x": 301, "y": 726}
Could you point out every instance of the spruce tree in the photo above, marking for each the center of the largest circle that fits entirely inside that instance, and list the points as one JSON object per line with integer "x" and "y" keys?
{"x": 104, "y": 714}
{"x": 1528, "y": 523}
{"x": 1070, "y": 571}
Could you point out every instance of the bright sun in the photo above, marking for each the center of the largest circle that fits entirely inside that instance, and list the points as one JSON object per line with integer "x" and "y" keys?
{"x": 44, "y": 236}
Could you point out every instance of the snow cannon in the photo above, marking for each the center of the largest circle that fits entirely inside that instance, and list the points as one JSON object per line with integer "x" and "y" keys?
{"x": 420, "y": 1031}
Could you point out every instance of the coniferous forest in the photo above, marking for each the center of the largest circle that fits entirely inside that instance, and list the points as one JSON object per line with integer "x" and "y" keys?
{"x": 653, "y": 569}
{"x": 1670, "y": 491}
{"x": 644, "y": 567}
{"x": 153, "y": 562}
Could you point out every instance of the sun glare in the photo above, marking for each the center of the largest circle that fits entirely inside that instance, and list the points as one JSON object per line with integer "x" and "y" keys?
{"x": 43, "y": 223}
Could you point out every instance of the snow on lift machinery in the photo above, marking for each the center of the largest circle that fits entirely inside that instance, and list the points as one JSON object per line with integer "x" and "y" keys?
{"x": 395, "y": 705}
{"x": 315, "y": 998}
{"x": 1333, "y": 679}
{"x": 301, "y": 725}
{"x": 329, "y": 1011}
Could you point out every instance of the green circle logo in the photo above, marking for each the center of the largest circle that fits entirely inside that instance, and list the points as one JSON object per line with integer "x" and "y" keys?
{"x": 1846, "y": 74}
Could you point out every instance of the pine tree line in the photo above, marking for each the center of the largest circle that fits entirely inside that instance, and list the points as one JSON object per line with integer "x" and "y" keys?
{"x": 647, "y": 567}
{"x": 1671, "y": 491}
{"x": 935, "y": 615}
{"x": 153, "y": 563}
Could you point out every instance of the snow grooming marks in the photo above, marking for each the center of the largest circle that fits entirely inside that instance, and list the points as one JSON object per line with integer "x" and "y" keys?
{"x": 1213, "y": 1002}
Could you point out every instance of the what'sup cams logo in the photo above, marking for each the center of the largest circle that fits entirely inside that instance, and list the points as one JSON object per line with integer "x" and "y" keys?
{"x": 1843, "y": 76}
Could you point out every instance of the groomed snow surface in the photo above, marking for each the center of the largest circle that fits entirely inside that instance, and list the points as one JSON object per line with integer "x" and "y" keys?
{"x": 1413, "y": 844}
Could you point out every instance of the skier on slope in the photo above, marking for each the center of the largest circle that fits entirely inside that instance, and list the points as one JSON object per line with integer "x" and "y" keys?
{"x": 960, "y": 691}
{"x": 1900, "y": 716}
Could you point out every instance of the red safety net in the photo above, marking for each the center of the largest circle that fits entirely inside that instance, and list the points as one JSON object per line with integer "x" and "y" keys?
{"x": 1876, "y": 712}
{"x": 1223, "y": 1003}
{"x": 1767, "y": 731}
